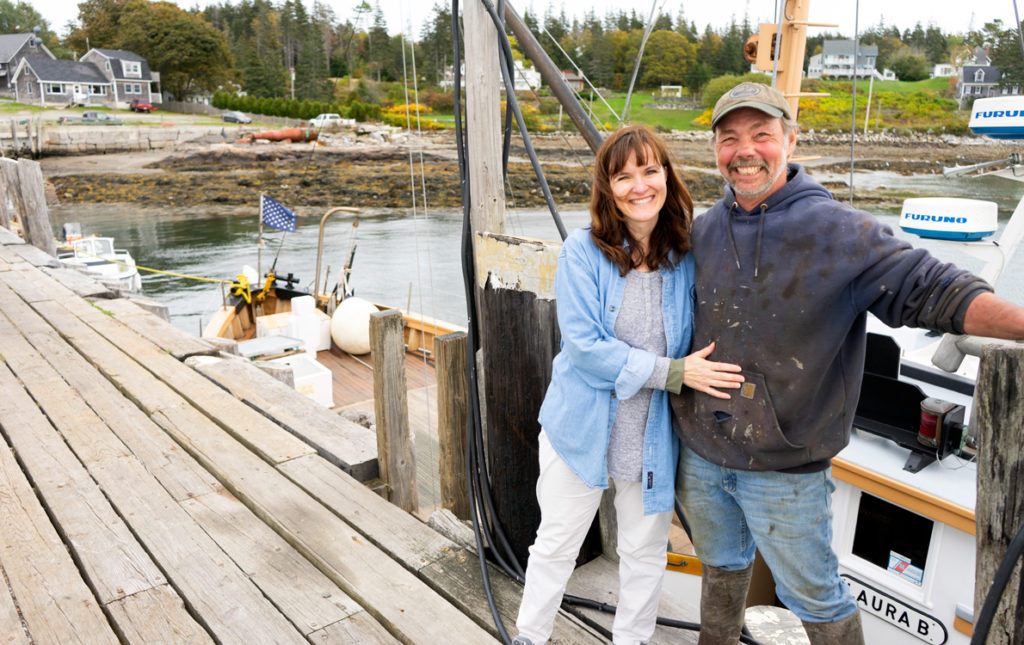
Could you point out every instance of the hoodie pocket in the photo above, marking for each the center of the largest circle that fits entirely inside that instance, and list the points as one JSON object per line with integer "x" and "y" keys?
{"x": 746, "y": 420}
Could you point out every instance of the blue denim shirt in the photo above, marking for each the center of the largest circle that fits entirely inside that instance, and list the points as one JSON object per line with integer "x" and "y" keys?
{"x": 594, "y": 370}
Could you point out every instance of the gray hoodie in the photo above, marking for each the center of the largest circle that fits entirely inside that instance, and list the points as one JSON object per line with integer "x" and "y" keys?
{"x": 783, "y": 290}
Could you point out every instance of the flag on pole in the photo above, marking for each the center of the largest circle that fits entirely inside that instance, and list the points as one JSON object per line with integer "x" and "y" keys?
{"x": 275, "y": 215}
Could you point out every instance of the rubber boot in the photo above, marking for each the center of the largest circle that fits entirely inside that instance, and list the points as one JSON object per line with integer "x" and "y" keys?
{"x": 842, "y": 632}
{"x": 723, "y": 600}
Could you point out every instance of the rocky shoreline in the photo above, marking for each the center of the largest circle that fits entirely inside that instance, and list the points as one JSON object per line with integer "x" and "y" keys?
{"x": 347, "y": 171}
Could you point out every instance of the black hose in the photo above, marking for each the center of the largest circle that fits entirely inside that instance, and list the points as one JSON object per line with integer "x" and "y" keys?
{"x": 998, "y": 588}
{"x": 472, "y": 429}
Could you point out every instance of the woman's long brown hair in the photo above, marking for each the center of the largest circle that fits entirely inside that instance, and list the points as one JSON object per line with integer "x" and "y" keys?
{"x": 670, "y": 239}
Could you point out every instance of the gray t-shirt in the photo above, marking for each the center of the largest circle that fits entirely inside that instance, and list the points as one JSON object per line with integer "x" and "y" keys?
{"x": 640, "y": 325}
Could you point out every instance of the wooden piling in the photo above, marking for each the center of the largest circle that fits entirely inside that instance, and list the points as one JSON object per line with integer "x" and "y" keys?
{"x": 35, "y": 225}
{"x": 5, "y": 215}
{"x": 452, "y": 421}
{"x": 395, "y": 453}
{"x": 9, "y": 169}
{"x": 998, "y": 414}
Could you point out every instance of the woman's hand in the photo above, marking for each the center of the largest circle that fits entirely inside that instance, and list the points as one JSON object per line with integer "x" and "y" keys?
{"x": 705, "y": 376}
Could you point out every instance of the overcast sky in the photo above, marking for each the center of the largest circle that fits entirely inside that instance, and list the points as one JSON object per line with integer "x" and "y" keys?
{"x": 952, "y": 16}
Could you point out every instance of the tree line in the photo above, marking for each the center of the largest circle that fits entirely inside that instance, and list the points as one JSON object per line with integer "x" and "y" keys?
{"x": 282, "y": 48}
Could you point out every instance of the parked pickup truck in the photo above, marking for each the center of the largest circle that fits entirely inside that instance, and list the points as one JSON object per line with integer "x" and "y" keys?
{"x": 138, "y": 105}
{"x": 92, "y": 117}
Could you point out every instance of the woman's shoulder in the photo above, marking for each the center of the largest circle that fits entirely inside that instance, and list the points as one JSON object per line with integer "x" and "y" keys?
{"x": 580, "y": 241}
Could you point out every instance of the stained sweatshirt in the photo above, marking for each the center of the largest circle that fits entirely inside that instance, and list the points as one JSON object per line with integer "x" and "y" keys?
{"x": 783, "y": 290}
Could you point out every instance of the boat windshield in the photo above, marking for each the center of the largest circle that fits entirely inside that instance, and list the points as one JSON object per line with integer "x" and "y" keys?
{"x": 94, "y": 246}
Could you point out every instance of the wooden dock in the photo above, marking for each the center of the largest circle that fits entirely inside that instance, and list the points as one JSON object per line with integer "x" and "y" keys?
{"x": 143, "y": 504}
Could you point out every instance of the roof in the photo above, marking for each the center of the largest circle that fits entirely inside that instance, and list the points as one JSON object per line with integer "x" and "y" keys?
{"x": 115, "y": 56}
{"x": 11, "y": 44}
{"x": 66, "y": 71}
{"x": 836, "y": 47}
{"x": 990, "y": 74}
{"x": 120, "y": 54}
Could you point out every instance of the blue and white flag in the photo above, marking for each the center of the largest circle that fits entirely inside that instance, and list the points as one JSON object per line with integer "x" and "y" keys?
{"x": 275, "y": 215}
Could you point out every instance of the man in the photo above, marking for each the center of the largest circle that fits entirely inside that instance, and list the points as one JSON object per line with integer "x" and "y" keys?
{"x": 785, "y": 275}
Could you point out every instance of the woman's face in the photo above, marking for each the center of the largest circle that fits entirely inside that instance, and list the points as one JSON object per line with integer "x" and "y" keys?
{"x": 639, "y": 192}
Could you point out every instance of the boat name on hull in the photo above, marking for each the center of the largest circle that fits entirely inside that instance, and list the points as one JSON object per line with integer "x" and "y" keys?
{"x": 896, "y": 612}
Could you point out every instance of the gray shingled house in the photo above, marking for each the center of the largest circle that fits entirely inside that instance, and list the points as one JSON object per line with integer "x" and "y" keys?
{"x": 102, "y": 77}
{"x": 128, "y": 73}
{"x": 61, "y": 82}
{"x": 15, "y": 47}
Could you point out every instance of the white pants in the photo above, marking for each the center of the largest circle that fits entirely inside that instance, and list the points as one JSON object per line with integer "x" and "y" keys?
{"x": 567, "y": 509}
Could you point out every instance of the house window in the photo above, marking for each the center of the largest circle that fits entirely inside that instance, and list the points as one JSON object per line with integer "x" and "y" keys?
{"x": 132, "y": 88}
{"x": 979, "y": 76}
{"x": 54, "y": 88}
{"x": 106, "y": 65}
{"x": 98, "y": 90}
{"x": 132, "y": 68}
{"x": 29, "y": 90}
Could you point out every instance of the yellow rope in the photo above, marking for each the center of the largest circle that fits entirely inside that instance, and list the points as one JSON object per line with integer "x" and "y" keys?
{"x": 140, "y": 268}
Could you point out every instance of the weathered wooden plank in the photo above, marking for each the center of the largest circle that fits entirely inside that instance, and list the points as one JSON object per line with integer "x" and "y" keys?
{"x": 180, "y": 394}
{"x": 452, "y": 421}
{"x": 55, "y": 603}
{"x": 80, "y": 283}
{"x": 345, "y": 444}
{"x": 360, "y": 628}
{"x": 34, "y": 256}
{"x": 7, "y": 257}
{"x": 176, "y": 471}
{"x": 111, "y": 559}
{"x": 396, "y": 456}
{"x": 444, "y": 565}
{"x": 166, "y": 336}
{"x": 998, "y": 410}
{"x": 12, "y": 630}
{"x": 300, "y": 591}
{"x": 399, "y": 600}
{"x": 156, "y": 615}
{"x": 230, "y": 605}
{"x": 5, "y": 214}
{"x": 9, "y": 237}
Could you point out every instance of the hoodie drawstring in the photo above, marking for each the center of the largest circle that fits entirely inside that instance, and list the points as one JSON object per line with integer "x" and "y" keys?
{"x": 760, "y": 236}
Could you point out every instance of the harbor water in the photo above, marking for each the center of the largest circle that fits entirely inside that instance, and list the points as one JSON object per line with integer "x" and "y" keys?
{"x": 406, "y": 261}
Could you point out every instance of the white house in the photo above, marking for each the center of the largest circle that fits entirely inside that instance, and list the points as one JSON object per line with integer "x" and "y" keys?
{"x": 943, "y": 70}
{"x": 836, "y": 60}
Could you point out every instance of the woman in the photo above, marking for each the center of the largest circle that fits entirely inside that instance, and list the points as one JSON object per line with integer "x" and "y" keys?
{"x": 624, "y": 289}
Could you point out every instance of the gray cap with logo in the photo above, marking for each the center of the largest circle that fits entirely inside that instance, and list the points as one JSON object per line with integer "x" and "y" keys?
{"x": 753, "y": 95}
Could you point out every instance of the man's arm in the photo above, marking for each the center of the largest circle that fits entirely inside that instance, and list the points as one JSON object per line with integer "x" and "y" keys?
{"x": 991, "y": 316}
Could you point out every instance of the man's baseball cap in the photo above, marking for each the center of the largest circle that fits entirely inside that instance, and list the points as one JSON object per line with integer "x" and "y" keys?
{"x": 753, "y": 95}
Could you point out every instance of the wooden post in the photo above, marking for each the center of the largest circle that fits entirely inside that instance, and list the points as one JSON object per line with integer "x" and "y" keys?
{"x": 14, "y": 138}
{"x": 395, "y": 453}
{"x": 5, "y": 216}
{"x": 36, "y": 223}
{"x": 999, "y": 511}
{"x": 9, "y": 168}
{"x": 483, "y": 120}
{"x": 452, "y": 421}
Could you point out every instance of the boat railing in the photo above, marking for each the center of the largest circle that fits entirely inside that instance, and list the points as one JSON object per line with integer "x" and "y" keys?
{"x": 320, "y": 241}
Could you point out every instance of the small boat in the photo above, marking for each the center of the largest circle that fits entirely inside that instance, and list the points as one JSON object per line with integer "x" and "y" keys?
{"x": 323, "y": 335}
{"x": 97, "y": 257}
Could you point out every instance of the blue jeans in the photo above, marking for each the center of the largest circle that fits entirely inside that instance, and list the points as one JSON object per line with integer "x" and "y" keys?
{"x": 786, "y": 516}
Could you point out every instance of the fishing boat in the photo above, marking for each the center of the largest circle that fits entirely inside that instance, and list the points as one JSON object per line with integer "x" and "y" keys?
{"x": 321, "y": 334}
{"x": 97, "y": 257}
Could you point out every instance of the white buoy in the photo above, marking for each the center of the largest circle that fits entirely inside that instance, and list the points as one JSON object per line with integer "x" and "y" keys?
{"x": 350, "y": 325}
